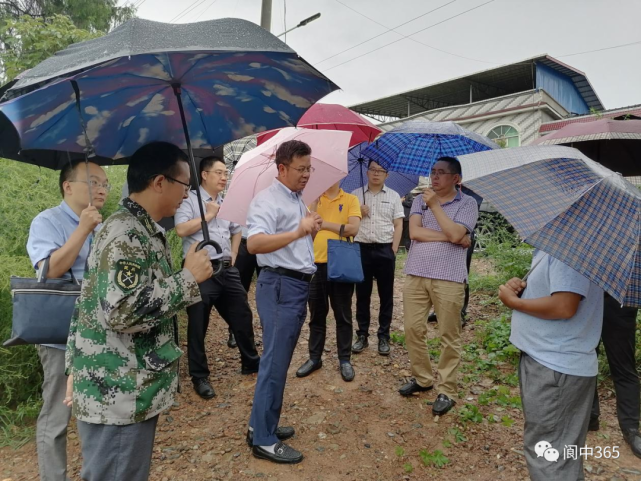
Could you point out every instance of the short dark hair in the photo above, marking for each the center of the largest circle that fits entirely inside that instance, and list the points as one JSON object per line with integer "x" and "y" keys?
{"x": 454, "y": 164}
{"x": 67, "y": 173}
{"x": 155, "y": 158}
{"x": 207, "y": 164}
{"x": 369, "y": 163}
{"x": 290, "y": 149}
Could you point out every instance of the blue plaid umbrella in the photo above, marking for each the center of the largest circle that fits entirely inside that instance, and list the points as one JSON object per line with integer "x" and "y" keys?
{"x": 569, "y": 206}
{"x": 357, "y": 178}
{"x": 416, "y": 145}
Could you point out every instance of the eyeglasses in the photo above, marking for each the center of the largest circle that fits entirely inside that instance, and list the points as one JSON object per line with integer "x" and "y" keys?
{"x": 222, "y": 173}
{"x": 187, "y": 186}
{"x": 377, "y": 171}
{"x": 438, "y": 173}
{"x": 302, "y": 170}
{"x": 95, "y": 184}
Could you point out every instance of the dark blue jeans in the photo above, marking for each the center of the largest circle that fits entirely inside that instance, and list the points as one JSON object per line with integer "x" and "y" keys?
{"x": 282, "y": 307}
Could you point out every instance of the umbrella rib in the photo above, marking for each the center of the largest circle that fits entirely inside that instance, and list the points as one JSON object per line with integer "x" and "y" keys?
{"x": 200, "y": 115}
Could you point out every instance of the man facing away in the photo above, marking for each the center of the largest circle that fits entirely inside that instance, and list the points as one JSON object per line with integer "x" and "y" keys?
{"x": 122, "y": 349}
{"x": 556, "y": 324}
{"x": 379, "y": 236}
{"x": 440, "y": 223}
{"x": 63, "y": 234}
{"x": 280, "y": 233}
{"x": 225, "y": 291}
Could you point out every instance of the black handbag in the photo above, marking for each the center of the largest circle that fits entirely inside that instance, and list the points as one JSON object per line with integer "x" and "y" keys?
{"x": 42, "y": 308}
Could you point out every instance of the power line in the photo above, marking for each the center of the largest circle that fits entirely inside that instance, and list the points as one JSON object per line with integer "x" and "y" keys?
{"x": 418, "y": 31}
{"x": 381, "y": 34}
{"x": 188, "y": 9}
{"x": 197, "y": 16}
{"x": 207, "y": 9}
{"x": 600, "y": 49}
{"x": 410, "y": 38}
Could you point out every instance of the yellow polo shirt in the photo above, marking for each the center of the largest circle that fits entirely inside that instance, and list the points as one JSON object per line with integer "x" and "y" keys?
{"x": 337, "y": 210}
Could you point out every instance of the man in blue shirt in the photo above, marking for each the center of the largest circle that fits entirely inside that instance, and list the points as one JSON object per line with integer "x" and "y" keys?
{"x": 63, "y": 235}
{"x": 281, "y": 231}
{"x": 556, "y": 324}
{"x": 225, "y": 291}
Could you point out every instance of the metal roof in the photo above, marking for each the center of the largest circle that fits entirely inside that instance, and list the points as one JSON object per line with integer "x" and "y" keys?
{"x": 487, "y": 84}
{"x": 633, "y": 111}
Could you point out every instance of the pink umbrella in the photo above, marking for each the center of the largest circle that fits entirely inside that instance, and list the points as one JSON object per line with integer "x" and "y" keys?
{"x": 256, "y": 169}
{"x": 333, "y": 117}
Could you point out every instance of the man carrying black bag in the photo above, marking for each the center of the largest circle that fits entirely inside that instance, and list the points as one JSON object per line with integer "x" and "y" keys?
{"x": 63, "y": 235}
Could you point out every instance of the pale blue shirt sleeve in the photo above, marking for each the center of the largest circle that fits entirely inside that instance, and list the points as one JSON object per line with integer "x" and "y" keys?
{"x": 261, "y": 218}
{"x": 565, "y": 279}
{"x": 185, "y": 212}
{"x": 44, "y": 239}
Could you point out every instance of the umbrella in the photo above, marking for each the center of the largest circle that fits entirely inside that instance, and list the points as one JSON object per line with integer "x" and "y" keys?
{"x": 356, "y": 178}
{"x": 613, "y": 143}
{"x": 416, "y": 145}
{"x": 233, "y": 151}
{"x": 256, "y": 169}
{"x": 569, "y": 206}
{"x": 334, "y": 117}
{"x": 203, "y": 84}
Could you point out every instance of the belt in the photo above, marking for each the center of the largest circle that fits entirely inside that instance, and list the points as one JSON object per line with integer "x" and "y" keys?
{"x": 226, "y": 262}
{"x": 243, "y": 240}
{"x": 301, "y": 276}
{"x": 374, "y": 245}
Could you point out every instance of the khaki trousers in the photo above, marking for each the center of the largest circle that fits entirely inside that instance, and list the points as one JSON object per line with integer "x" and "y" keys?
{"x": 447, "y": 298}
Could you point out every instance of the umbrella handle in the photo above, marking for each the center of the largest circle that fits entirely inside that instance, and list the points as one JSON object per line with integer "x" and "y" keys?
{"x": 217, "y": 264}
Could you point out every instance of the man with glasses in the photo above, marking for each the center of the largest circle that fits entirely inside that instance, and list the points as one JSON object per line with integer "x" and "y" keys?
{"x": 440, "y": 223}
{"x": 379, "y": 236}
{"x": 224, "y": 292}
{"x": 63, "y": 234}
{"x": 123, "y": 346}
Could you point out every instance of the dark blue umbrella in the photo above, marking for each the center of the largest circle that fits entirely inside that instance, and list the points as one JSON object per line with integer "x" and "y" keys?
{"x": 416, "y": 145}
{"x": 357, "y": 178}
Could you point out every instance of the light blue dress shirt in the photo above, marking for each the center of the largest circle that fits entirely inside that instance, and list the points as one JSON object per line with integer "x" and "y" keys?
{"x": 276, "y": 210}
{"x": 220, "y": 230}
{"x": 49, "y": 231}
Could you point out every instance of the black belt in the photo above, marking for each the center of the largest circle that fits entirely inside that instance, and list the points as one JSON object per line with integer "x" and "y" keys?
{"x": 243, "y": 240}
{"x": 374, "y": 245}
{"x": 301, "y": 276}
{"x": 226, "y": 262}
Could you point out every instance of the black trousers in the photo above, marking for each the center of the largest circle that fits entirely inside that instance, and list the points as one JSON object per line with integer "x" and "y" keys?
{"x": 226, "y": 294}
{"x": 322, "y": 293}
{"x": 618, "y": 339}
{"x": 379, "y": 262}
{"x": 246, "y": 264}
{"x": 468, "y": 263}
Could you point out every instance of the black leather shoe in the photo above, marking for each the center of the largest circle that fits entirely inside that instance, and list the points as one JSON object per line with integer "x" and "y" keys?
{"x": 347, "y": 372}
{"x": 432, "y": 317}
{"x": 283, "y": 454}
{"x": 231, "y": 342}
{"x": 203, "y": 388}
{"x": 245, "y": 370}
{"x": 282, "y": 433}
{"x": 308, "y": 367}
{"x": 633, "y": 439}
{"x": 360, "y": 344}
{"x": 442, "y": 405}
{"x": 383, "y": 347}
{"x": 594, "y": 424}
{"x": 411, "y": 387}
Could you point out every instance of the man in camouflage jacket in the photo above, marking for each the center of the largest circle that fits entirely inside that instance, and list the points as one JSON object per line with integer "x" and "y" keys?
{"x": 122, "y": 350}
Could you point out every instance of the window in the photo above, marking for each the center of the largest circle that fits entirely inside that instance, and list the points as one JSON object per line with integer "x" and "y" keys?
{"x": 505, "y": 136}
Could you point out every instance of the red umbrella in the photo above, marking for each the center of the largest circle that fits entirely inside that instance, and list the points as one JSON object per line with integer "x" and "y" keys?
{"x": 615, "y": 144}
{"x": 333, "y": 117}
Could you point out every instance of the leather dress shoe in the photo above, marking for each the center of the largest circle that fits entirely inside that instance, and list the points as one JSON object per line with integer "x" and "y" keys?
{"x": 442, "y": 405}
{"x": 411, "y": 387}
{"x": 383, "y": 347}
{"x": 633, "y": 439}
{"x": 283, "y": 454}
{"x": 203, "y": 388}
{"x": 432, "y": 317}
{"x": 244, "y": 370}
{"x": 347, "y": 371}
{"x": 360, "y": 344}
{"x": 282, "y": 433}
{"x": 231, "y": 342}
{"x": 308, "y": 367}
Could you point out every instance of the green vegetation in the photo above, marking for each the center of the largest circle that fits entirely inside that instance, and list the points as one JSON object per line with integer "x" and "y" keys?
{"x": 435, "y": 458}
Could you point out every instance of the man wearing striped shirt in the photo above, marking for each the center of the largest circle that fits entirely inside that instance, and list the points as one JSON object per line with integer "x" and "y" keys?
{"x": 379, "y": 236}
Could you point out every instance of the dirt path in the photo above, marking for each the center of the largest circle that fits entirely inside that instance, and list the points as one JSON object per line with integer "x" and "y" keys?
{"x": 361, "y": 430}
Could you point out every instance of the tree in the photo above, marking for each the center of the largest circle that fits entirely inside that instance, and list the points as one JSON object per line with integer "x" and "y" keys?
{"x": 30, "y": 40}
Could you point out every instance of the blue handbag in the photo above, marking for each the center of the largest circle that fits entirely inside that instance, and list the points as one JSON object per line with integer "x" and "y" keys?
{"x": 344, "y": 260}
{"x": 42, "y": 308}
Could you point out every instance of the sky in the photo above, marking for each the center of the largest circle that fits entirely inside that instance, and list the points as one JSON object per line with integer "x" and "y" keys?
{"x": 376, "y": 48}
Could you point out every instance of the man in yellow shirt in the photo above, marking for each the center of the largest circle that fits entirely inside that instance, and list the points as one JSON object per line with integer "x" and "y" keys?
{"x": 337, "y": 209}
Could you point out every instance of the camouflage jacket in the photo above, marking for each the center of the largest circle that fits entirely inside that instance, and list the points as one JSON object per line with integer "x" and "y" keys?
{"x": 122, "y": 348}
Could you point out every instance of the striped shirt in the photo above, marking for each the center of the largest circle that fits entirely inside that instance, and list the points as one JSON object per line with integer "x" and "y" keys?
{"x": 384, "y": 208}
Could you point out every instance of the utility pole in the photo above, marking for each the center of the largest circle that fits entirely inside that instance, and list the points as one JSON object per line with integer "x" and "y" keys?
{"x": 266, "y": 15}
